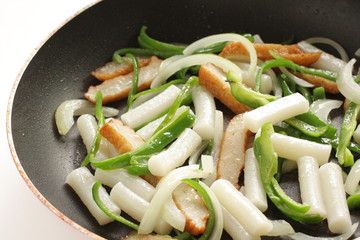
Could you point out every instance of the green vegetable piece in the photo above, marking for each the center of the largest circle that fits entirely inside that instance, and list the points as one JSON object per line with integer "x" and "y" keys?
{"x": 285, "y": 85}
{"x": 282, "y": 62}
{"x": 312, "y": 119}
{"x": 138, "y": 165}
{"x": 215, "y": 48}
{"x": 101, "y": 205}
{"x": 343, "y": 154}
{"x": 116, "y": 57}
{"x": 298, "y": 216}
{"x": 289, "y": 202}
{"x": 155, "y": 144}
{"x": 99, "y": 114}
{"x": 162, "y": 87}
{"x": 353, "y": 201}
{"x": 245, "y": 95}
{"x": 147, "y": 42}
{"x": 185, "y": 91}
{"x": 135, "y": 81}
{"x": 319, "y": 93}
{"x": 306, "y": 128}
{"x": 306, "y": 93}
{"x": 203, "y": 193}
{"x": 265, "y": 154}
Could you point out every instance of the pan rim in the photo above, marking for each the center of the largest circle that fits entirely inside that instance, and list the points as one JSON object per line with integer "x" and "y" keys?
{"x": 10, "y": 140}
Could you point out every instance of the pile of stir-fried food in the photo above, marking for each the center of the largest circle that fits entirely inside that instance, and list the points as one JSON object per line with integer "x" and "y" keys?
{"x": 171, "y": 162}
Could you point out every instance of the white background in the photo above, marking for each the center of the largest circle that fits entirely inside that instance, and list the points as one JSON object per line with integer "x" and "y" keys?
{"x": 24, "y": 26}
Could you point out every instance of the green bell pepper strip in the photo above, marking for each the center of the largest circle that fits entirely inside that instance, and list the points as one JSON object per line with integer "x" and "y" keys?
{"x": 312, "y": 119}
{"x": 147, "y": 42}
{"x": 215, "y": 48}
{"x": 99, "y": 114}
{"x": 211, "y": 220}
{"x": 138, "y": 165}
{"x": 116, "y": 57}
{"x": 306, "y": 128}
{"x": 185, "y": 91}
{"x": 297, "y": 216}
{"x": 289, "y": 202}
{"x": 285, "y": 86}
{"x": 108, "y": 212}
{"x": 158, "y": 89}
{"x": 343, "y": 154}
{"x": 353, "y": 201}
{"x": 245, "y": 95}
{"x": 319, "y": 93}
{"x": 268, "y": 163}
{"x": 265, "y": 154}
{"x": 135, "y": 81}
{"x": 282, "y": 62}
{"x": 306, "y": 93}
{"x": 155, "y": 144}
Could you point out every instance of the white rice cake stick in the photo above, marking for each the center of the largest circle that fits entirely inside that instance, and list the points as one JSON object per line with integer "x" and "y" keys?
{"x": 175, "y": 156}
{"x": 310, "y": 187}
{"x": 338, "y": 216}
{"x": 235, "y": 229}
{"x": 356, "y": 134}
{"x": 137, "y": 184}
{"x": 244, "y": 211}
{"x": 151, "y": 109}
{"x": 254, "y": 189}
{"x": 276, "y": 111}
{"x": 135, "y": 206}
{"x": 204, "y": 104}
{"x": 148, "y": 130}
{"x": 82, "y": 181}
{"x": 86, "y": 125}
{"x": 294, "y": 148}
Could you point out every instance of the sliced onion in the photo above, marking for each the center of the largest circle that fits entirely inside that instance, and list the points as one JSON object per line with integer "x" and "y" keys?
{"x": 227, "y": 37}
{"x": 344, "y": 236}
{"x": 281, "y": 228}
{"x": 296, "y": 79}
{"x": 258, "y": 39}
{"x": 323, "y": 107}
{"x": 64, "y": 115}
{"x": 199, "y": 59}
{"x": 166, "y": 186}
{"x": 346, "y": 84}
{"x": 344, "y": 56}
{"x": 326, "y": 61}
{"x": 352, "y": 179}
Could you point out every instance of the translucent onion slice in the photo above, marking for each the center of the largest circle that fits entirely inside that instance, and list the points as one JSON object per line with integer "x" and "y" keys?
{"x": 323, "y": 107}
{"x": 356, "y": 134}
{"x": 353, "y": 178}
{"x": 346, "y": 84}
{"x": 227, "y": 37}
{"x": 296, "y": 79}
{"x": 64, "y": 115}
{"x": 326, "y": 60}
{"x": 166, "y": 186}
{"x": 281, "y": 228}
{"x": 344, "y": 236}
{"x": 344, "y": 56}
{"x": 199, "y": 59}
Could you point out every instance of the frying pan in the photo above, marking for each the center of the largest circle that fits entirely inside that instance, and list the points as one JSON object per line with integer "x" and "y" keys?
{"x": 60, "y": 71}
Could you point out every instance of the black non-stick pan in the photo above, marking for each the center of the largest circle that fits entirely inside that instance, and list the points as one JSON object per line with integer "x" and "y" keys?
{"x": 61, "y": 68}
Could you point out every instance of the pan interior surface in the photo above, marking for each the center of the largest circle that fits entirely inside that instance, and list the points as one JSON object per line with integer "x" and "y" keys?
{"x": 61, "y": 70}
